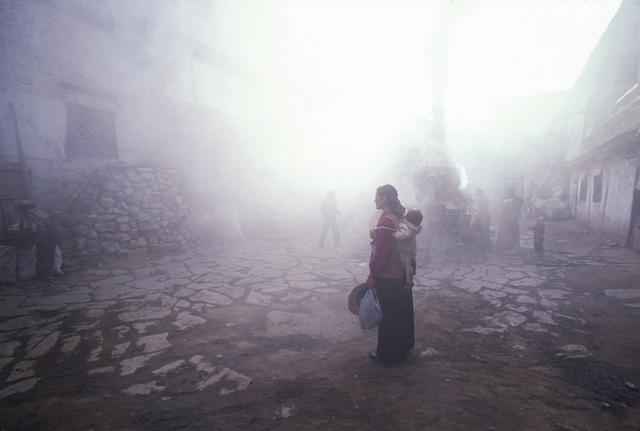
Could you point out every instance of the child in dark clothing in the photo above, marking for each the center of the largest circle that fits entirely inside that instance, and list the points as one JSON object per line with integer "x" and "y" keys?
{"x": 538, "y": 236}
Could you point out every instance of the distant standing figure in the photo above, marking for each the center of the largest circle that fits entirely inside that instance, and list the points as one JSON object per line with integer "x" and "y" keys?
{"x": 436, "y": 213}
{"x": 387, "y": 276}
{"x": 405, "y": 235}
{"x": 538, "y": 236}
{"x": 509, "y": 222}
{"x": 483, "y": 219}
{"x": 41, "y": 232}
{"x": 330, "y": 219}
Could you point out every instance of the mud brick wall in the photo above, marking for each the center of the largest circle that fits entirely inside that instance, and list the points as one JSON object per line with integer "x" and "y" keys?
{"x": 123, "y": 208}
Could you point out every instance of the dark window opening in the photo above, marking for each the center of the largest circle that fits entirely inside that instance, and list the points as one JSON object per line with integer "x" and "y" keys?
{"x": 583, "y": 189}
{"x": 597, "y": 188}
{"x": 91, "y": 133}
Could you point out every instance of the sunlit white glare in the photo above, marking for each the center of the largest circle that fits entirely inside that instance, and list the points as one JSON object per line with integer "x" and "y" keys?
{"x": 331, "y": 86}
{"x": 327, "y": 93}
{"x": 507, "y": 49}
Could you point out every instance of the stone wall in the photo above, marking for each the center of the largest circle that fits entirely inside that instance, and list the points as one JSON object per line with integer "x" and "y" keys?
{"x": 123, "y": 208}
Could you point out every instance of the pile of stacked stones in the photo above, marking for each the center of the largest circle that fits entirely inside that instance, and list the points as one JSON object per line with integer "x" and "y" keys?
{"x": 124, "y": 208}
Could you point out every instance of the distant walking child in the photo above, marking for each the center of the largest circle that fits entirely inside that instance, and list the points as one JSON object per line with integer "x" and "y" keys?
{"x": 538, "y": 236}
{"x": 405, "y": 236}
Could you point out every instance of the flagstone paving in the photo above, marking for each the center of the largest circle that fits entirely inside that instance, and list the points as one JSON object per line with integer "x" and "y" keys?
{"x": 178, "y": 340}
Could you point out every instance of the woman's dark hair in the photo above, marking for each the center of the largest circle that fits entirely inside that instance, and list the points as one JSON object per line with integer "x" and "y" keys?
{"x": 391, "y": 196}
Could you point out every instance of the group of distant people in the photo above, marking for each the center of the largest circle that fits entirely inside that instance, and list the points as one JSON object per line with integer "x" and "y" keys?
{"x": 477, "y": 230}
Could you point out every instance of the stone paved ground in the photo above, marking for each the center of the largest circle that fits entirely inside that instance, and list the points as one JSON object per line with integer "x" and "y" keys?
{"x": 257, "y": 336}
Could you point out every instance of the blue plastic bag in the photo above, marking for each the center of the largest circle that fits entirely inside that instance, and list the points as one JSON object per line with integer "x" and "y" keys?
{"x": 370, "y": 313}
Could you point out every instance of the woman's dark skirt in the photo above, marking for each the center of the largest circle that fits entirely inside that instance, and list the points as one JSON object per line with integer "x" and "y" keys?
{"x": 396, "y": 330}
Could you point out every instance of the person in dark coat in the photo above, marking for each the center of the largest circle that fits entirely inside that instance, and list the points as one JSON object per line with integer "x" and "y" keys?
{"x": 509, "y": 222}
{"x": 387, "y": 276}
{"x": 41, "y": 232}
{"x": 483, "y": 219}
